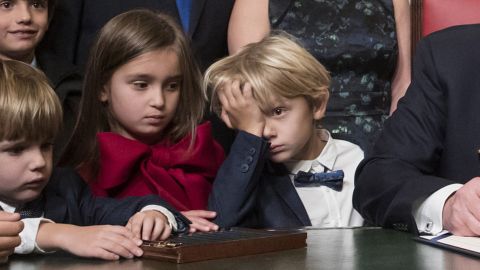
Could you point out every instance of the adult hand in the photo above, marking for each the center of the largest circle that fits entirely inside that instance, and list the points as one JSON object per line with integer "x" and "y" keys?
{"x": 461, "y": 212}
{"x": 200, "y": 220}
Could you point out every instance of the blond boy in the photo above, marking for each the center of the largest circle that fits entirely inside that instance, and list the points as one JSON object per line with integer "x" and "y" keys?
{"x": 275, "y": 93}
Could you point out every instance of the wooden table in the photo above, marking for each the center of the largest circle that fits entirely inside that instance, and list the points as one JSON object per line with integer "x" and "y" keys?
{"x": 357, "y": 248}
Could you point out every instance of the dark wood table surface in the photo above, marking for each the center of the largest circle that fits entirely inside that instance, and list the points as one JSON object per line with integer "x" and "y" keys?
{"x": 356, "y": 248}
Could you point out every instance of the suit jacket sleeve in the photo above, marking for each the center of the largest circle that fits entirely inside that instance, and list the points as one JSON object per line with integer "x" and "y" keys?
{"x": 236, "y": 187}
{"x": 401, "y": 169}
{"x": 69, "y": 200}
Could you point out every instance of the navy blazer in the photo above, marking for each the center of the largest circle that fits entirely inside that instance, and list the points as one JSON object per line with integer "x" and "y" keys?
{"x": 251, "y": 191}
{"x": 68, "y": 199}
{"x": 433, "y": 138}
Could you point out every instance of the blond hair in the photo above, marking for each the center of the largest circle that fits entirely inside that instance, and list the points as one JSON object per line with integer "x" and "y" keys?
{"x": 29, "y": 108}
{"x": 276, "y": 65}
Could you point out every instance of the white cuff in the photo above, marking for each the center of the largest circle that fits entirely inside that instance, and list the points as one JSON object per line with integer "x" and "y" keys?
{"x": 28, "y": 235}
{"x": 172, "y": 222}
{"x": 428, "y": 213}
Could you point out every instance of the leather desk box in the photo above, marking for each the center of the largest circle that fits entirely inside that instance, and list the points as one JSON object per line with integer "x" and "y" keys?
{"x": 222, "y": 244}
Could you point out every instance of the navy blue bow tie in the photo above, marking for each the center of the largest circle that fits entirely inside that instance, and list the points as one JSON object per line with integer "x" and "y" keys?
{"x": 333, "y": 179}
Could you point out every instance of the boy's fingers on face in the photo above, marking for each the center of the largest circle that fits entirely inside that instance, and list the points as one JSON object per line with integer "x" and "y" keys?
{"x": 225, "y": 118}
{"x": 247, "y": 90}
{"x": 229, "y": 88}
{"x": 235, "y": 90}
{"x": 223, "y": 99}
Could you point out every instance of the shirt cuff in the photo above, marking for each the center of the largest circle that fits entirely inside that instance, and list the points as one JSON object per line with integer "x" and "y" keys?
{"x": 28, "y": 236}
{"x": 172, "y": 222}
{"x": 428, "y": 213}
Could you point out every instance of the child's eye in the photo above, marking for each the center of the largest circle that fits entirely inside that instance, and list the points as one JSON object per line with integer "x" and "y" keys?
{"x": 39, "y": 4}
{"x": 15, "y": 150}
{"x": 140, "y": 85}
{"x": 5, "y": 4}
{"x": 278, "y": 111}
{"x": 173, "y": 86}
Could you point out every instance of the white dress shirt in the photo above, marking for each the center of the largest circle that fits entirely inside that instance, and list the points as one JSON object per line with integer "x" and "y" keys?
{"x": 325, "y": 206}
{"x": 428, "y": 212}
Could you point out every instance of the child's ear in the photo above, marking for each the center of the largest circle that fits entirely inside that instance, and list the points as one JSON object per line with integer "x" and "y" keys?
{"x": 319, "y": 107}
{"x": 104, "y": 94}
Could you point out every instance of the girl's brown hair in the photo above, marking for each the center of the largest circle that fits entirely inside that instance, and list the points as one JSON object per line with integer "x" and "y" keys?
{"x": 122, "y": 39}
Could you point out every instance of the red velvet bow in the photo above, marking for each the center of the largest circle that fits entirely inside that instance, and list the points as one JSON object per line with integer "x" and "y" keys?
{"x": 181, "y": 177}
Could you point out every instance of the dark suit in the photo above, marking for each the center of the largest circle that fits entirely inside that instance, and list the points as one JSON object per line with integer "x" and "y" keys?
{"x": 76, "y": 23}
{"x": 66, "y": 80}
{"x": 68, "y": 200}
{"x": 432, "y": 140}
{"x": 251, "y": 191}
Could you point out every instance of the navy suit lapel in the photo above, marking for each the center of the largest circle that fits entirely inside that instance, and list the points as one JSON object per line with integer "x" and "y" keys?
{"x": 195, "y": 14}
{"x": 283, "y": 186}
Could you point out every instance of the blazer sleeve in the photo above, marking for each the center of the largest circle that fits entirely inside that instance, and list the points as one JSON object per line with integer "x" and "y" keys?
{"x": 81, "y": 207}
{"x": 401, "y": 168}
{"x": 236, "y": 187}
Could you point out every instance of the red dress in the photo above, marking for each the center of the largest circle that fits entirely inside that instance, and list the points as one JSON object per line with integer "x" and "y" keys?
{"x": 182, "y": 178}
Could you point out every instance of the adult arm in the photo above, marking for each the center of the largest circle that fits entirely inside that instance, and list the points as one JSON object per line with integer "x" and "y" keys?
{"x": 401, "y": 169}
{"x": 248, "y": 23}
{"x": 402, "y": 75}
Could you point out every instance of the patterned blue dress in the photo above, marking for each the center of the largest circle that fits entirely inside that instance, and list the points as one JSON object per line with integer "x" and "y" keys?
{"x": 356, "y": 41}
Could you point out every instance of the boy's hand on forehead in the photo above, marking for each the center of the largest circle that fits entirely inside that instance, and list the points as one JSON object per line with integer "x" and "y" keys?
{"x": 240, "y": 109}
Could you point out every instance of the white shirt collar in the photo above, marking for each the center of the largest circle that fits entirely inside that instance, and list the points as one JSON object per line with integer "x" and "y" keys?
{"x": 326, "y": 159}
{"x": 34, "y": 62}
{"x": 7, "y": 208}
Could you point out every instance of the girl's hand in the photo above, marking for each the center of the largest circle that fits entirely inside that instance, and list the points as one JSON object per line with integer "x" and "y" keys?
{"x": 239, "y": 108}
{"x": 149, "y": 225}
{"x": 200, "y": 220}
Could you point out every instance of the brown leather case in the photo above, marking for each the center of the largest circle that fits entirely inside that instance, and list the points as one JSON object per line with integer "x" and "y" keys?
{"x": 222, "y": 244}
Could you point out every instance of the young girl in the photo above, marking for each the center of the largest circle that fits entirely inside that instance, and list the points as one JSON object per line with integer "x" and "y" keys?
{"x": 137, "y": 131}
{"x": 283, "y": 170}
